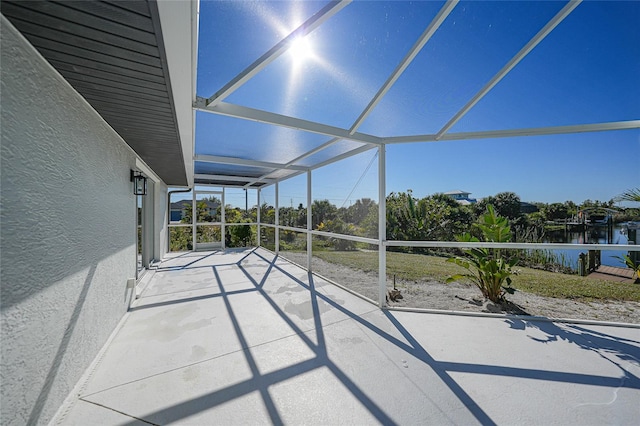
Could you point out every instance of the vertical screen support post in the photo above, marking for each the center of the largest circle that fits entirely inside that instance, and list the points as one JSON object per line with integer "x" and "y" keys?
{"x": 382, "y": 226}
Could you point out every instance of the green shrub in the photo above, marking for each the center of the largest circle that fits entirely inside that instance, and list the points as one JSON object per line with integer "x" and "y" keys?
{"x": 486, "y": 268}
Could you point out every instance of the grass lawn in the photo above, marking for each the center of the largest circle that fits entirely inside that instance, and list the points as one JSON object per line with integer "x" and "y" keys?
{"x": 416, "y": 267}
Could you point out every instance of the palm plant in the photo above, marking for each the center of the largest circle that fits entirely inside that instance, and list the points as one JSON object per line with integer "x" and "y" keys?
{"x": 630, "y": 195}
{"x": 486, "y": 268}
{"x": 629, "y": 262}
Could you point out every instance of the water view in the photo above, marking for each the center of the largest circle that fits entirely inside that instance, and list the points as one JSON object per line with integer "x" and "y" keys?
{"x": 595, "y": 235}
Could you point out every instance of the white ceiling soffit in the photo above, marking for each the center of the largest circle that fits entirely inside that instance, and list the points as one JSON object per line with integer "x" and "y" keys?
{"x": 131, "y": 61}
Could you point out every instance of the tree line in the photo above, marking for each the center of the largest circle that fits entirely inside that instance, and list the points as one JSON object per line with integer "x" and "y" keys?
{"x": 435, "y": 217}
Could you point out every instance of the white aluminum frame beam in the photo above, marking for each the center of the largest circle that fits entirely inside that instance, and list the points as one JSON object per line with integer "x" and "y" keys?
{"x": 277, "y": 220}
{"x": 338, "y": 134}
{"x": 291, "y": 176}
{"x": 413, "y": 52}
{"x": 382, "y": 225}
{"x": 281, "y": 47}
{"x": 223, "y": 233}
{"x": 244, "y": 162}
{"x": 347, "y": 154}
{"x": 406, "y": 61}
{"x": 194, "y": 219}
{"x": 324, "y": 234}
{"x": 260, "y": 116}
{"x": 534, "y": 131}
{"x": 514, "y": 246}
{"x": 264, "y": 178}
{"x": 291, "y": 164}
{"x": 426, "y": 35}
{"x": 227, "y": 178}
{"x": 345, "y": 237}
{"x": 258, "y": 219}
{"x": 566, "y": 10}
{"x": 315, "y": 150}
{"x": 309, "y": 224}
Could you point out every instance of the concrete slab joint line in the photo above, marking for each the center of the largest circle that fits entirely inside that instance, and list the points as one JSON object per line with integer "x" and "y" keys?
{"x": 120, "y": 412}
{"x": 246, "y": 336}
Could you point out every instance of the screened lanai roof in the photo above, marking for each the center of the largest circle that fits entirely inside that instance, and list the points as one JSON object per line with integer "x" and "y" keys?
{"x": 287, "y": 86}
{"x": 245, "y": 93}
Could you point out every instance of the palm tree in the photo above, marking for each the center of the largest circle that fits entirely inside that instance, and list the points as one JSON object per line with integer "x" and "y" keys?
{"x": 322, "y": 211}
{"x": 630, "y": 195}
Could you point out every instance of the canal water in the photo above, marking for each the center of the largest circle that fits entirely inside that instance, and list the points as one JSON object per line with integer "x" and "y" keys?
{"x": 597, "y": 235}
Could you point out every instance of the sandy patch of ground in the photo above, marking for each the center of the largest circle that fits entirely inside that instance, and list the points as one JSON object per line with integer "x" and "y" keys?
{"x": 462, "y": 297}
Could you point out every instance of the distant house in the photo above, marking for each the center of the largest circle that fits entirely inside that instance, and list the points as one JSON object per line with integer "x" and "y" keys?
{"x": 178, "y": 209}
{"x": 462, "y": 197}
{"x": 528, "y": 207}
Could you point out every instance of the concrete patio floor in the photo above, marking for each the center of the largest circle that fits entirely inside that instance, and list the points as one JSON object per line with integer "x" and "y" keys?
{"x": 244, "y": 337}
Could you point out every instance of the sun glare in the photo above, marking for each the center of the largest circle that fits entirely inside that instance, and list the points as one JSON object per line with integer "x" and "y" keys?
{"x": 300, "y": 50}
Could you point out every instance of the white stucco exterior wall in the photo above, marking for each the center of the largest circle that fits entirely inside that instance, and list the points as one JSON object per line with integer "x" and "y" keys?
{"x": 68, "y": 233}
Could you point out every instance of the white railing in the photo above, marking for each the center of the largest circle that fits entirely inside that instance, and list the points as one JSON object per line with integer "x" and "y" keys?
{"x": 522, "y": 246}
{"x": 445, "y": 244}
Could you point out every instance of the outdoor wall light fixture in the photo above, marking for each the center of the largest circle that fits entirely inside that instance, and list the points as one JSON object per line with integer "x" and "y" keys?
{"x": 139, "y": 183}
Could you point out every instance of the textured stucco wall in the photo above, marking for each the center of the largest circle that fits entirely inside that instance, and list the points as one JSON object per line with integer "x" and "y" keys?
{"x": 67, "y": 233}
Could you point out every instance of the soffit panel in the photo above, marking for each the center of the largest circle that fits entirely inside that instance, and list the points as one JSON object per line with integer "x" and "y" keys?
{"x": 111, "y": 53}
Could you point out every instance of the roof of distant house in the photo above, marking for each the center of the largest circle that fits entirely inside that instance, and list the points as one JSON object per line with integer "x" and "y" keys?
{"x": 183, "y": 203}
{"x": 528, "y": 207}
{"x": 457, "y": 192}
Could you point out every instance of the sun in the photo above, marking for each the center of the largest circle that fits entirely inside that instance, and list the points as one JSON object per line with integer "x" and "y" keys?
{"x": 300, "y": 51}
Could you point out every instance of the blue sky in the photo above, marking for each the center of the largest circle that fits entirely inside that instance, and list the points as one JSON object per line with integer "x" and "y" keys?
{"x": 585, "y": 71}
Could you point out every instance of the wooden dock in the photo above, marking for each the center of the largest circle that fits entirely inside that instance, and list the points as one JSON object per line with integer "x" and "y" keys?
{"x": 612, "y": 273}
